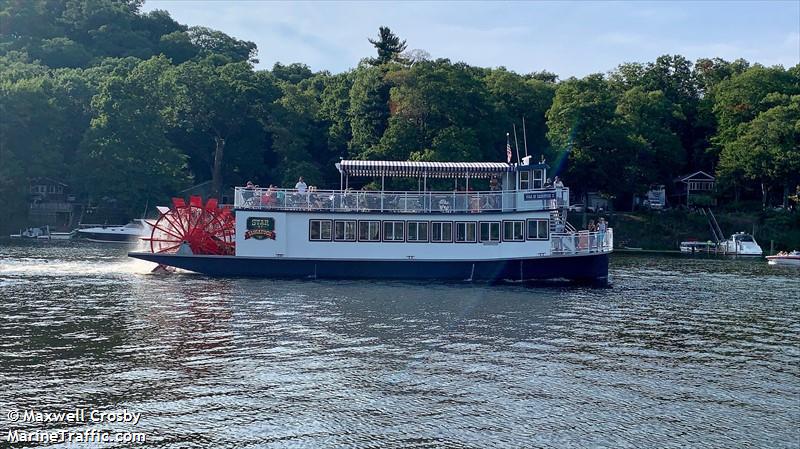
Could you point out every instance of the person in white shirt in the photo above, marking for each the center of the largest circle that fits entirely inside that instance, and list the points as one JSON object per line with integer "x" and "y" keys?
{"x": 301, "y": 186}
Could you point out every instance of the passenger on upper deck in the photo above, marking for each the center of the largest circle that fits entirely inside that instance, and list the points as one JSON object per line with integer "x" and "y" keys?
{"x": 269, "y": 198}
{"x": 557, "y": 183}
{"x": 301, "y": 185}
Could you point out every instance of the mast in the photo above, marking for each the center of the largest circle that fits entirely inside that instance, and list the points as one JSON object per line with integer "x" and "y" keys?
{"x": 524, "y": 136}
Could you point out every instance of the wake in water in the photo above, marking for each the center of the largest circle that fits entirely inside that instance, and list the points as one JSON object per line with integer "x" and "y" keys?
{"x": 77, "y": 258}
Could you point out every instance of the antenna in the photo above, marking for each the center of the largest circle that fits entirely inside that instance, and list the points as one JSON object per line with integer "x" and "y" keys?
{"x": 524, "y": 136}
{"x": 516, "y": 145}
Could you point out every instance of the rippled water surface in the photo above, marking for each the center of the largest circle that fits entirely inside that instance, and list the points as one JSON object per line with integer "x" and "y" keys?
{"x": 680, "y": 352}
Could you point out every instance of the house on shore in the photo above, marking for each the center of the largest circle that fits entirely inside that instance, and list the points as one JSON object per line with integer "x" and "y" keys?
{"x": 51, "y": 203}
{"x": 695, "y": 189}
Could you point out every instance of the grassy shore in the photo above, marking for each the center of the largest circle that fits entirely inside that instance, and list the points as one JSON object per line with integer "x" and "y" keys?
{"x": 665, "y": 230}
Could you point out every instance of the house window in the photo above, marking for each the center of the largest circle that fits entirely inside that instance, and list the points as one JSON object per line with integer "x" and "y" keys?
{"x": 319, "y": 230}
{"x": 417, "y": 231}
{"x": 513, "y": 231}
{"x": 524, "y": 180}
{"x": 344, "y": 230}
{"x": 538, "y": 229}
{"x": 441, "y": 231}
{"x": 465, "y": 231}
{"x": 490, "y": 231}
{"x": 700, "y": 185}
{"x": 393, "y": 231}
{"x": 369, "y": 231}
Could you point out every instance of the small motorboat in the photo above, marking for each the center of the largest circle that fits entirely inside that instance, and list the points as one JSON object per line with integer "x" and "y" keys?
{"x": 791, "y": 259}
{"x": 128, "y": 233}
{"x": 741, "y": 244}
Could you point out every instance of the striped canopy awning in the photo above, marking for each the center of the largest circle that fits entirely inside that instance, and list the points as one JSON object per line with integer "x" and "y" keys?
{"x": 422, "y": 169}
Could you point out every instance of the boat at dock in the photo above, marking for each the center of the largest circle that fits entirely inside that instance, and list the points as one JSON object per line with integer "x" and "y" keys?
{"x": 516, "y": 233}
{"x": 741, "y": 244}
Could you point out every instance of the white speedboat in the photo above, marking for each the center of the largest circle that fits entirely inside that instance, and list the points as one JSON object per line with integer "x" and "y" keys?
{"x": 790, "y": 259}
{"x": 130, "y": 232}
{"x": 741, "y": 244}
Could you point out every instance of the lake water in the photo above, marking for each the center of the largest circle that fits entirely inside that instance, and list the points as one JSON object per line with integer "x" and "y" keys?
{"x": 679, "y": 352}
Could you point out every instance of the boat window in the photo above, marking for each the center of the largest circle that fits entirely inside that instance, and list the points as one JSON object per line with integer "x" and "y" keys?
{"x": 441, "y": 231}
{"x": 369, "y": 231}
{"x": 524, "y": 180}
{"x": 490, "y": 231}
{"x": 465, "y": 231}
{"x": 538, "y": 179}
{"x": 344, "y": 230}
{"x": 393, "y": 231}
{"x": 417, "y": 231}
{"x": 538, "y": 229}
{"x": 513, "y": 231}
{"x": 319, "y": 230}
{"x": 745, "y": 238}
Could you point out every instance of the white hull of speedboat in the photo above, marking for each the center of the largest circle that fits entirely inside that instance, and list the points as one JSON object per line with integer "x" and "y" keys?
{"x": 790, "y": 260}
{"x": 129, "y": 233}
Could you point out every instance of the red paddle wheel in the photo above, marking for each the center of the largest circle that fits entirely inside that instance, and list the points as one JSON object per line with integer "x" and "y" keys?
{"x": 207, "y": 229}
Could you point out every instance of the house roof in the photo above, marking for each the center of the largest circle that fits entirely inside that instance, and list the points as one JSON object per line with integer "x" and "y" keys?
{"x": 696, "y": 176}
{"x": 43, "y": 179}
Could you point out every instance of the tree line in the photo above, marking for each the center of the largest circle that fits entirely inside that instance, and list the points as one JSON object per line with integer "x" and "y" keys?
{"x": 133, "y": 107}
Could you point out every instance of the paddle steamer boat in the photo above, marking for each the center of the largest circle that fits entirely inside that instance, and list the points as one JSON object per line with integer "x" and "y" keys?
{"x": 517, "y": 231}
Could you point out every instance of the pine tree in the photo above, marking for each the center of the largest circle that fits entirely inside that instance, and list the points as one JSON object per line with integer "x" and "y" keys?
{"x": 389, "y": 47}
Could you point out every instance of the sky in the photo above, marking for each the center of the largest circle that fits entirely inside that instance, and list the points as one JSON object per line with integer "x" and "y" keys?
{"x": 567, "y": 38}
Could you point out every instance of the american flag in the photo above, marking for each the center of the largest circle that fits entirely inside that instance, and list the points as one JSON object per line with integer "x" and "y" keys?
{"x": 508, "y": 152}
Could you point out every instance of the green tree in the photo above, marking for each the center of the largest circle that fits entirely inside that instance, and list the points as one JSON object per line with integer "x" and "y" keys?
{"x": 214, "y": 101}
{"x": 649, "y": 118}
{"x": 582, "y": 123}
{"x": 738, "y": 101}
{"x": 513, "y": 98}
{"x": 389, "y": 47}
{"x": 767, "y": 149}
{"x": 368, "y": 111}
{"x": 125, "y": 154}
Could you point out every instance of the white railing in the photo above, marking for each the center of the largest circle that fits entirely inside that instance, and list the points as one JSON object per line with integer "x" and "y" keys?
{"x": 582, "y": 242}
{"x": 403, "y": 202}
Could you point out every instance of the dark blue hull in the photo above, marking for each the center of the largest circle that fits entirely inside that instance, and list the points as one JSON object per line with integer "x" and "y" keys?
{"x": 589, "y": 268}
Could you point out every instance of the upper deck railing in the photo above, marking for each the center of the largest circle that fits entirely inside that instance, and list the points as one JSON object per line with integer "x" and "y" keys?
{"x": 401, "y": 202}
